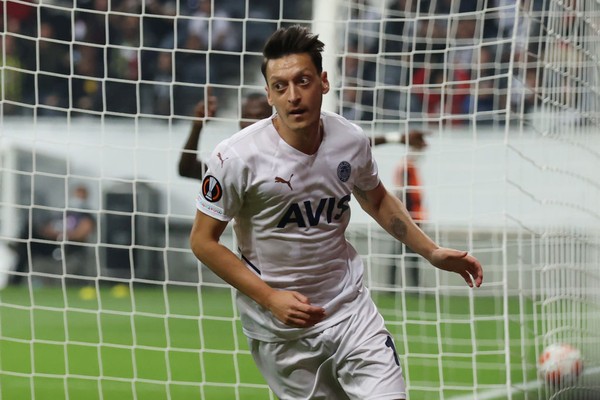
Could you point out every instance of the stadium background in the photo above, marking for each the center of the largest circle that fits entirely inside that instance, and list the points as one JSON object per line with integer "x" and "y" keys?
{"x": 85, "y": 99}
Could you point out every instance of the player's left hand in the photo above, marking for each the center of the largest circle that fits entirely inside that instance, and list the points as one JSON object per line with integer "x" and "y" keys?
{"x": 460, "y": 262}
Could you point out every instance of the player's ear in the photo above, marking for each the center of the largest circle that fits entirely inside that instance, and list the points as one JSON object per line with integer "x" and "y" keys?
{"x": 324, "y": 82}
{"x": 268, "y": 96}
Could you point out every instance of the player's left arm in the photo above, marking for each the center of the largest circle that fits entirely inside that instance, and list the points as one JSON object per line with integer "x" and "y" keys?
{"x": 391, "y": 214}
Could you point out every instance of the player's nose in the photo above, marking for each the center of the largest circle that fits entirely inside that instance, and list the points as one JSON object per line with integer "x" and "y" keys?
{"x": 293, "y": 94}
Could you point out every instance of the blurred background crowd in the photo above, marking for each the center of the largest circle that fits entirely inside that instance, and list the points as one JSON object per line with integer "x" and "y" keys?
{"x": 428, "y": 59}
{"x": 442, "y": 60}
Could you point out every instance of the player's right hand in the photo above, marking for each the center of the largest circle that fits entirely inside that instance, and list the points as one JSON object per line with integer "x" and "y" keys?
{"x": 294, "y": 309}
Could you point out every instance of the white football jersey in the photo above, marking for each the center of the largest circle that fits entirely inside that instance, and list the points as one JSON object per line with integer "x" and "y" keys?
{"x": 290, "y": 211}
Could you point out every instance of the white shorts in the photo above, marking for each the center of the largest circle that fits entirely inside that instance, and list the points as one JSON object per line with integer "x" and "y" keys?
{"x": 355, "y": 359}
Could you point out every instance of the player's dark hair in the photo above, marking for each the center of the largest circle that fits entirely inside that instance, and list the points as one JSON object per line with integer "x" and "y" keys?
{"x": 295, "y": 39}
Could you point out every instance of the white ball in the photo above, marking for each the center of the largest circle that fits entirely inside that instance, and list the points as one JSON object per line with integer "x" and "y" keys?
{"x": 560, "y": 364}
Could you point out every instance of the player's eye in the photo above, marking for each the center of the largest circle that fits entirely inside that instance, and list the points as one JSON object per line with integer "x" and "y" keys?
{"x": 304, "y": 81}
{"x": 278, "y": 86}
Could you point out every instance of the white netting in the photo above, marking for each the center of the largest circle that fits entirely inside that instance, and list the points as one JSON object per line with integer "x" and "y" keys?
{"x": 102, "y": 94}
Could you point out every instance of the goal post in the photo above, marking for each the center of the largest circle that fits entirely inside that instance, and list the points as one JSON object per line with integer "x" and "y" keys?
{"x": 325, "y": 23}
{"x": 101, "y": 95}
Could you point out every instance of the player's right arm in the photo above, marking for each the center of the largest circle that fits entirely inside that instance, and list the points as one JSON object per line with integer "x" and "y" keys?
{"x": 291, "y": 308}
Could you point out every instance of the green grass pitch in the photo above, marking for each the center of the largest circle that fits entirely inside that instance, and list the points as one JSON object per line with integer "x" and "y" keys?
{"x": 176, "y": 343}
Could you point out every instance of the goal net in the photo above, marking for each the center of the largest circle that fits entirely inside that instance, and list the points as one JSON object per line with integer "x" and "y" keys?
{"x": 97, "y": 100}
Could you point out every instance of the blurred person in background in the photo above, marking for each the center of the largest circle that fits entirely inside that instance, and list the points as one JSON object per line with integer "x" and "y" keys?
{"x": 54, "y": 240}
{"x": 86, "y": 85}
{"x": 12, "y": 84}
{"x": 53, "y": 63}
{"x": 160, "y": 96}
{"x": 488, "y": 93}
{"x": 358, "y": 81}
{"x": 255, "y": 107}
{"x": 408, "y": 187}
{"x": 215, "y": 29}
{"x": 123, "y": 61}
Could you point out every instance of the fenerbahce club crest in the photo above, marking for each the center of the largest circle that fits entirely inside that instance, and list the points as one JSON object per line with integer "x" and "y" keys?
{"x": 211, "y": 189}
{"x": 343, "y": 171}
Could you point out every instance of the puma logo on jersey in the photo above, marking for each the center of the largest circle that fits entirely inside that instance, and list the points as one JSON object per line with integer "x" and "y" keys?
{"x": 288, "y": 182}
{"x": 220, "y": 157}
{"x": 310, "y": 213}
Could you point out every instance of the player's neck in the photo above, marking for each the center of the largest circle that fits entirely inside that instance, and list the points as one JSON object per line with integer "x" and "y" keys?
{"x": 305, "y": 140}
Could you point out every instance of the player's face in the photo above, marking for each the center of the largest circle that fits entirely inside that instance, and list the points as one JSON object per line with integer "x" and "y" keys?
{"x": 296, "y": 89}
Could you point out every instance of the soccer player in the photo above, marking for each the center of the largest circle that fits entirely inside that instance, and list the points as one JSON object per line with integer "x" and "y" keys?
{"x": 254, "y": 108}
{"x": 286, "y": 182}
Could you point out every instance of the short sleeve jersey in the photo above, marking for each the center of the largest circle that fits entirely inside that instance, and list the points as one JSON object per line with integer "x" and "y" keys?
{"x": 290, "y": 211}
